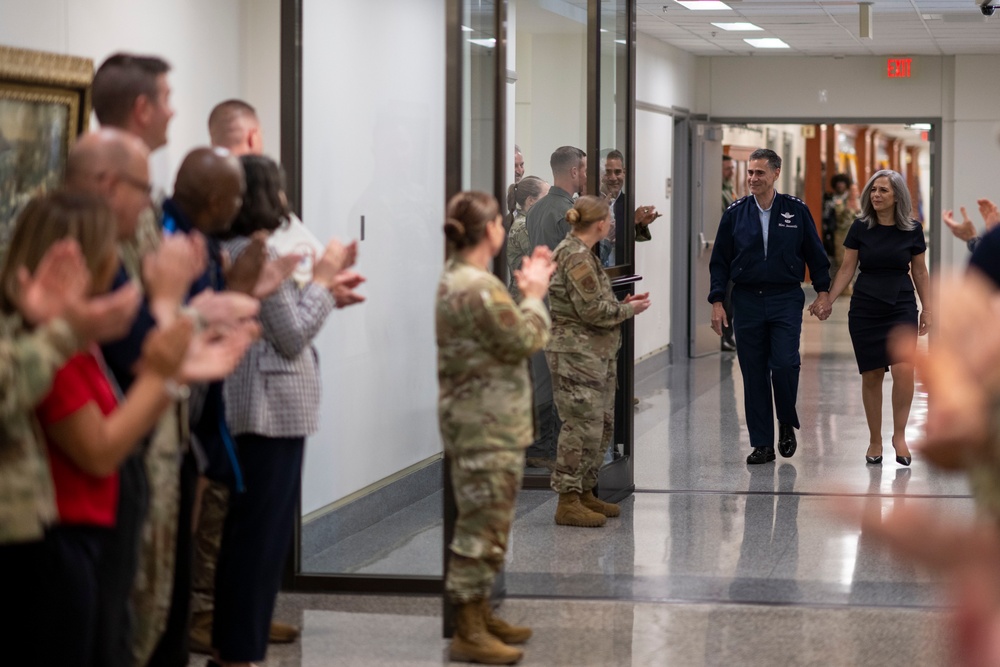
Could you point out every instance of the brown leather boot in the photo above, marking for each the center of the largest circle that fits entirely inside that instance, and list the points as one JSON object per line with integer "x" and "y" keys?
{"x": 501, "y": 629}
{"x": 571, "y": 512}
{"x": 595, "y": 504}
{"x": 282, "y": 633}
{"x": 473, "y": 643}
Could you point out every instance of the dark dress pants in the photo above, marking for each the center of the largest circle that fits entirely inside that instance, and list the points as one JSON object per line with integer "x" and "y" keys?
{"x": 255, "y": 542}
{"x": 51, "y": 597}
{"x": 768, "y": 325}
{"x": 117, "y": 570}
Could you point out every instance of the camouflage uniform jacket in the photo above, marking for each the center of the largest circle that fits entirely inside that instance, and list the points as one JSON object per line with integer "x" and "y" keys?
{"x": 518, "y": 247}
{"x": 28, "y": 362}
{"x": 585, "y": 312}
{"x": 484, "y": 340}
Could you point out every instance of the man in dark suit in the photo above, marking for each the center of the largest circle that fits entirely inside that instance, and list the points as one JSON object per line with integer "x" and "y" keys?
{"x": 764, "y": 242}
{"x": 613, "y": 187}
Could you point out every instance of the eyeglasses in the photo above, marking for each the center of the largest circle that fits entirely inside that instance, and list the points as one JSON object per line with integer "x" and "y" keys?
{"x": 144, "y": 187}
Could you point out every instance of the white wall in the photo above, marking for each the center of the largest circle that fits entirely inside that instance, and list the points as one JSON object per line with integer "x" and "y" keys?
{"x": 551, "y": 97}
{"x": 201, "y": 40}
{"x": 665, "y": 76}
{"x": 373, "y": 145}
{"x": 964, "y": 91}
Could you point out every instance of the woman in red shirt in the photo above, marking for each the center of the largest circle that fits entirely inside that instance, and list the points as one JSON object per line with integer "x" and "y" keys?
{"x": 88, "y": 433}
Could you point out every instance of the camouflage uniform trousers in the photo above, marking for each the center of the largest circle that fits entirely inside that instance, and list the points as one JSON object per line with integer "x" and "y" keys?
{"x": 154, "y": 582}
{"x": 584, "y": 390}
{"x": 485, "y": 485}
{"x": 207, "y": 542}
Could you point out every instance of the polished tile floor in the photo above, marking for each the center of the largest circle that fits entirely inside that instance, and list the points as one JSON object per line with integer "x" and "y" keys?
{"x": 712, "y": 562}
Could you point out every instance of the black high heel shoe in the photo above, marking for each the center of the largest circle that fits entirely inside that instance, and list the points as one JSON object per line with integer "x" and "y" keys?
{"x": 873, "y": 460}
{"x": 901, "y": 460}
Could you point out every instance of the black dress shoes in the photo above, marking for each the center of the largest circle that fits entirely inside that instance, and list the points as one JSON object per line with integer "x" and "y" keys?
{"x": 873, "y": 459}
{"x": 786, "y": 440}
{"x": 761, "y": 455}
{"x": 903, "y": 460}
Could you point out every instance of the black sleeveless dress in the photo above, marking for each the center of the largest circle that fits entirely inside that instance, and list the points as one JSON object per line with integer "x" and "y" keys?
{"x": 883, "y": 296}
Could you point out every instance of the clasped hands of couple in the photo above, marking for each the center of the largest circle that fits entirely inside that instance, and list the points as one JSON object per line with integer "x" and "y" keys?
{"x": 822, "y": 307}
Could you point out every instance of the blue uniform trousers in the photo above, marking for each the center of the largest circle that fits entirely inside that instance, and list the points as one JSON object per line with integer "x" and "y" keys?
{"x": 768, "y": 325}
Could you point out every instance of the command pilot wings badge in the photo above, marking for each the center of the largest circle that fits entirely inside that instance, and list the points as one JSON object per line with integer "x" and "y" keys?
{"x": 787, "y": 222}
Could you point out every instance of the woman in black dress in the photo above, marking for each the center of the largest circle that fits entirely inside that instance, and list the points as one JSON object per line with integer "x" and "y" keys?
{"x": 889, "y": 247}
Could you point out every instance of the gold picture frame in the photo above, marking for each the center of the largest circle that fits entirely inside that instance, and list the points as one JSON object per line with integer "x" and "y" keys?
{"x": 44, "y": 106}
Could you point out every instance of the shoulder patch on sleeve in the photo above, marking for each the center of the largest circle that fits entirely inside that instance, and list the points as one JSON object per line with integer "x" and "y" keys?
{"x": 585, "y": 279}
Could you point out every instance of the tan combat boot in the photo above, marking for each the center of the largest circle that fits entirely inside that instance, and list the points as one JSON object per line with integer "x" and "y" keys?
{"x": 473, "y": 643}
{"x": 282, "y": 633}
{"x": 571, "y": 512}
{"x": 501, "y": 629}
{"x": 200, "y": 634}
{"x": 595, "y": 504}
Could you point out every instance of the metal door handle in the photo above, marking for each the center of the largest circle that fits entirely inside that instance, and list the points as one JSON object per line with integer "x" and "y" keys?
{"x": 705, "y": 243}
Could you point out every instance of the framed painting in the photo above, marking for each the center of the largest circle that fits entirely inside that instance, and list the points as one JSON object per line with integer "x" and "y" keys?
{"x": 44, "y": 106}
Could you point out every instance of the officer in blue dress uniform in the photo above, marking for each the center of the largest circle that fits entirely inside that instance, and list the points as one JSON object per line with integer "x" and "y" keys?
{"x": 764, "y": 242}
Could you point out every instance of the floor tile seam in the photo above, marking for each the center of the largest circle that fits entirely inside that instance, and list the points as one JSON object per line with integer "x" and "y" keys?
{"x": 693, "y": 601}
{"x": 818, "y": 494}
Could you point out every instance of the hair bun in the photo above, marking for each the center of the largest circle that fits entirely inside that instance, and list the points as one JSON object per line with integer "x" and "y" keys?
{"x": 572, "y": 216}
{"x": 454, "y": 230}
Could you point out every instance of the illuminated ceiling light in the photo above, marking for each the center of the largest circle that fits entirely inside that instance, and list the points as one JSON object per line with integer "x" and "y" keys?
{"x": 466, "y": 28}
{"x": 488, "y": 43}
{"x": 767, "y": 43}
{"x": 865, "y": 20}
{"x": 919, "y": 126}
{"x": 620, "y": 41}
{"x": 701, "y": 5}
{"x": 737, "y": 26}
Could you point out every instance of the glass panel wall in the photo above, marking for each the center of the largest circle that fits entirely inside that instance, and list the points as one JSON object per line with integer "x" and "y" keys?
{"x": 373, "y": 169}
{"x": 549, "y": 52}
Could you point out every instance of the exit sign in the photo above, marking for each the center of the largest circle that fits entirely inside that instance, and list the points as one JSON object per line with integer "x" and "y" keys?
{"x": 899, "y": 68}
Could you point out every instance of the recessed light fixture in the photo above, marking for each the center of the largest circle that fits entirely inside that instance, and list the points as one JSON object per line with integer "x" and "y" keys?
{"x": 925, "y": 127}
{"x": 488, "y": 43}
{"x": 466, "y": 28}
{"x": 767, "y": 43}
{"x": 737, "y": 26}
{"x": 703, "y": 4}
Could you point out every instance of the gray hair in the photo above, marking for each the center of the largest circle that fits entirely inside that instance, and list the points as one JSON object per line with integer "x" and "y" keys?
{"x": 900, "y": 194}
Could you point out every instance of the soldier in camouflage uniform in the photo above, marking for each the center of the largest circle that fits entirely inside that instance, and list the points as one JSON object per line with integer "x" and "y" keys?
{"x": 582, "y": 355}
{"x": 485, "y": 412}
{"x": 526, "y": 192}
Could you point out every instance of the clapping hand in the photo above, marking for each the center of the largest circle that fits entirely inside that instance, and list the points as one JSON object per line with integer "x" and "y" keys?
{"x": 965, "y": 230}
{"x": 645, "y": 215}
{"x": 216, "y": 352}
{"x": 535, "y": 272}
{"x": 60, "y": 279}
{"x": 961, "y": 372}
{"x": 640, "y": 302}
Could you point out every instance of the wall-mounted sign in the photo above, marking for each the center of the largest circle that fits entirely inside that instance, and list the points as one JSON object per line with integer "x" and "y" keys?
{"x": 899, "y": 68}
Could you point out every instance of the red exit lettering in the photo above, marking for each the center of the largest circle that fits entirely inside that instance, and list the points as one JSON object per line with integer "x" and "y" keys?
{"x": 899, "y": 68}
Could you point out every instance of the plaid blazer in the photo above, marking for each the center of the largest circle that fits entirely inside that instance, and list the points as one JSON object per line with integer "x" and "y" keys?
{"x": 275, "y": 391}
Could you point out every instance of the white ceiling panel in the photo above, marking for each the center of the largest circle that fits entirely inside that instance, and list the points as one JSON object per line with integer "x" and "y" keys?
{"x": 824, "y": 27}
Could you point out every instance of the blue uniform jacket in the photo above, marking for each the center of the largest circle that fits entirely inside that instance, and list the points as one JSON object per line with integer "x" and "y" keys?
{"x": 792, "y": 243}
